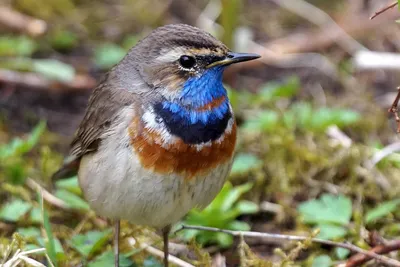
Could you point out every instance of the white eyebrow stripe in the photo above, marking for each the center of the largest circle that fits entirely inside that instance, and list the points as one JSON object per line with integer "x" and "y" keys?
{"x": 172, "y": 55}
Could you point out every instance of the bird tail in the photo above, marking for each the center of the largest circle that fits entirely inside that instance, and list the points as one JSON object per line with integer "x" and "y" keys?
{"x": 68, "y": 169}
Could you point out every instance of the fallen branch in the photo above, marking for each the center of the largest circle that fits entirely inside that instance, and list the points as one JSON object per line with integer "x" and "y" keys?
{"x": 349, "y": 246}
{"x": 22, "y": 23}
{"x": 158, "y": 253}
{"x": 37, "y": 81}
{"x": 380, "y": 11}
{"x": 359, "y": 259}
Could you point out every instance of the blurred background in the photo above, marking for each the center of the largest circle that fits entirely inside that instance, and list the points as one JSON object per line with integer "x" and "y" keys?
{"x": 317, "y": 147}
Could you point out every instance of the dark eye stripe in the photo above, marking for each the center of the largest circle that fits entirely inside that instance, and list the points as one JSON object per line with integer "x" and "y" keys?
{"x": 208, "y": 59}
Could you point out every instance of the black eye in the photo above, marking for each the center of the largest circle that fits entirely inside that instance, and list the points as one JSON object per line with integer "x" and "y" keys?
{"x": 187, "y": 62}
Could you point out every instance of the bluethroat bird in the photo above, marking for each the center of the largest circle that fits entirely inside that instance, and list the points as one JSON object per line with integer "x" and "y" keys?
{"x": 159, "y": 133}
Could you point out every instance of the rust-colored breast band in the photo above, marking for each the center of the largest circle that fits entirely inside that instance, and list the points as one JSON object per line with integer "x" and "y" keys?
{"x": 213, "y": 104}
{"x": 179, "y": 157}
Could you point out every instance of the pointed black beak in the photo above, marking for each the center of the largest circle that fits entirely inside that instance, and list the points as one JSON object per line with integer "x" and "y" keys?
{"x": 232, "y": 58}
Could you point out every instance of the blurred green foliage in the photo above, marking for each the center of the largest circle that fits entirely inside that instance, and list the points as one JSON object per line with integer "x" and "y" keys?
{"x": 245, "y": 163}
{"x": 17, "y": 46}
{"x": 107, "y": 55}
{"x": 268, "y": 119}
{"x": 13, "y": 154}
{"x": 382, "y": 210}
{"x": 301, "y": 115}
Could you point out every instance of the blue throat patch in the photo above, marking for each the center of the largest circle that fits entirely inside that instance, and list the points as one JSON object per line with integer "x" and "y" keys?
{"x": 182, "y": 117}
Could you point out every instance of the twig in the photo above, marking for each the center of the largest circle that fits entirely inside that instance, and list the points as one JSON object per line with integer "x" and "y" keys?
{"x": 349, "y": 246}
{"x": 266, "y": 206}
{"x": 160, "y": 254}
{"x": 380, "y": 11}
{"x": 394, "y": 109}
{"x": 384, "y": 152}
{"x": 218, "y": 261}
{"x": 335, "y": 133}
{"x": 82, "y": 223}
{"x": 22, "y": 256}
{"x": 207, "y": 18}
{"x": 359, "y": 259}
{"x": 312, "y": 40}
{"x": 376, "y": 60}
{"x": 32, "y": 184}
{"x": 321, "y": 19}
{"x": 20, "y": 22}
{"x": 295, "y": 60}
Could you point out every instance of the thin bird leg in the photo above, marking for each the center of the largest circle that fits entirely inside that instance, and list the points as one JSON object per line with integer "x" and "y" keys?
{"x": 165, "y": 232}
{"x": 116, "y": 243}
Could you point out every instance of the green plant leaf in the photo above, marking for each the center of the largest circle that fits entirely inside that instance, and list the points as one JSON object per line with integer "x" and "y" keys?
{"x": 246, "y": 207}
{"x": 130, "y": 41}
{"x": 233, "y": 195}
{"x": 72, "y": 200}
{"x": 303, "y": 113}
{"x": 322, "y": 261}
{"x": 91, "y": 242}
{"x": 221, "y": 213}
{"x": 49, "y": 241}
{"x": 224, "y": 240}
{"x": 238, "y": 226}
{"x": 266, "y": 121}
{"x": 152, "y": 262}
{"x": 54, "y": 69}
{"x": 70, "y": 184}
{"x": 29, "y": 232}
{"x": 331, "y": 231}
{"x": 18, "y": 146}
{"x": 325, "y": 117}
{"x": 244, "y": 163}
{"x": 63, "y": 39}
{"x": 35, "y": 215}
{"x": 14, "y": 171}
{"x": 272, "y": 91}
{"x": 14, "y": 210}
{"x": 328, "y": 209}
{"x": 32, "y": 246}
{"x": 217, "y": 203}
{"x": 107, "y": 55}
{"x": 382, "y": 210}
{"x": 58, "y": 249}
{"x": 16, "y": 46}
{"x": 342, "y": 253}
{"x": 189, "y": 234}
{"x": 107, "y": 259}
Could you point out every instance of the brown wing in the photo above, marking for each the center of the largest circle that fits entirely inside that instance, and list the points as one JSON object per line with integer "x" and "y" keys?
{"x": 103, "y": 106}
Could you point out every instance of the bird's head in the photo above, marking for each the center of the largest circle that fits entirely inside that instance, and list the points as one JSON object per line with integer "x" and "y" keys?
{"x": 176, "y": 58}
{"x": 182, "y": 66}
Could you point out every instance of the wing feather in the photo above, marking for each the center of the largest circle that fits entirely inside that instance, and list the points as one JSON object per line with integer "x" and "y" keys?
{"x": 102, "y": 109}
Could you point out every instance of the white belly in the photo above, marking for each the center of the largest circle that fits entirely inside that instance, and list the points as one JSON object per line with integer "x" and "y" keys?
{"x": 116, "y": 186}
